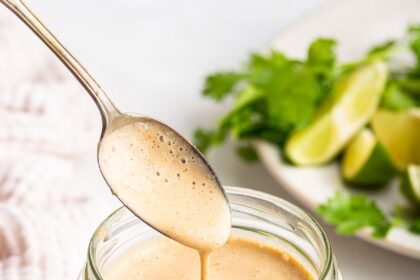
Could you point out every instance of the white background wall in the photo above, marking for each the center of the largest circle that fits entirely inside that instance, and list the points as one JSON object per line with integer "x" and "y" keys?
{"x": 151, "y": 56}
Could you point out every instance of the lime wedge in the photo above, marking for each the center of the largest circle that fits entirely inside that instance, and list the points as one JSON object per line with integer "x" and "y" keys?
{"x": 410, "y": 184}
{"x": 399, "y": 132}
{"x": 355, "y": 100}
{"x": 366, "y": 163}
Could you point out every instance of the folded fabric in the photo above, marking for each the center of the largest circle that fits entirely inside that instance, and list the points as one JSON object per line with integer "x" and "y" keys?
{"x": 47, "y": 122}
{"x": 44, "y": 242}
{"x": 55, "y": 117}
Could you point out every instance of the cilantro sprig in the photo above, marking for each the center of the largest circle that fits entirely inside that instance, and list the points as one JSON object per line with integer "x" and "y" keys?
{"x": 349, "y": 213}
{"x": 274, "y": 95}
{"x": 352, "y": 212}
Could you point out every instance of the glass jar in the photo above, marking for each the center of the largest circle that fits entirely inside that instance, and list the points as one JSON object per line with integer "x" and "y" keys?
{"x": 255, "y": 215}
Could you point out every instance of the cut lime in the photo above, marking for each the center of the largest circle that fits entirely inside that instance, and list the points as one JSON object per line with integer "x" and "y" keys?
{"x": 366, "y": 163}
{"x": 399, "y": 132}
{"x": 355, "y": 100}
{"x": 410, "y": 184}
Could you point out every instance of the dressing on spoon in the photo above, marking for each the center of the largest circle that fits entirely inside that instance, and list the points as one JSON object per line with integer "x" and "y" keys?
{"x": 159, "y": 176}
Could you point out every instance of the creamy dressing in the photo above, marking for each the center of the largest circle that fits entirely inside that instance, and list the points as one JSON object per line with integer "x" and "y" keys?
{"x": 163, "y": 259}
{"x": 157, "y": 175}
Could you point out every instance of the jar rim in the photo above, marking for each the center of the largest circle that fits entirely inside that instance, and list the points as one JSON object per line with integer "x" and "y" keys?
{"x": 230, "y": 190}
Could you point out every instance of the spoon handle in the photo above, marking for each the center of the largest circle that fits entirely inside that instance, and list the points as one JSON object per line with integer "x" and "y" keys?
{"x": 105, "y": 105}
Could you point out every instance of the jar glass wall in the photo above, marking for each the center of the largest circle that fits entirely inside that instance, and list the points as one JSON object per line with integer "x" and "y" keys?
{"x": 255, "y": 215}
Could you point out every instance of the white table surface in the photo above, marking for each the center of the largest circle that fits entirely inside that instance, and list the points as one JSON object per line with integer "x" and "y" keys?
{"x": 151, "y": 56}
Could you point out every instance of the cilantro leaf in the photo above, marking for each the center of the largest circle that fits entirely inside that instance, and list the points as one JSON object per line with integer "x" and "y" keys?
{"x": 321, "y": 56}
{"x": 292, "y": 89}
{"x": 414, "y": 37}
{"x": 382, "y": 51}
{"x": 415, "y": 227}
{"x": 403, "y": 90}
{"x": 411, "y": 85}
{"x": 321, "y": 52}
{"x": 204, "y": 139}
{"x": 247, "y": 153}
{"x": 396, "y": 98}
{"x": 221, "y": 84}
{"x": 246, "y": 98}
{"x": 350, "y": 213}
{"x": 405, "y": 217}
{"x": 293, "y": 94}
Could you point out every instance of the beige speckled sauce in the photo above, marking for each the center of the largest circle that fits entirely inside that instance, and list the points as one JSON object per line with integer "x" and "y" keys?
{"x": 156, "y": 175}
{"x": 163, "y": 259}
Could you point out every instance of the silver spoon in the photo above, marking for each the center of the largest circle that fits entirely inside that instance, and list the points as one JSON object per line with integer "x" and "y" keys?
{"x": 162, "y": 148}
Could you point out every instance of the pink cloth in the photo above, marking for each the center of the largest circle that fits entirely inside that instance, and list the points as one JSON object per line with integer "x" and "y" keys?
{"x": 46, "y": 123}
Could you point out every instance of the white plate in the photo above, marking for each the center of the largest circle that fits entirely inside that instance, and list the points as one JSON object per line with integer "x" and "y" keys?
{"x": 356, "y": 24}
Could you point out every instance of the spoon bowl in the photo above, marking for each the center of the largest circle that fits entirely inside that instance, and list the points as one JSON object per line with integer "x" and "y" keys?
{"x": 165, "y": 181}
